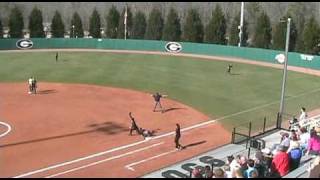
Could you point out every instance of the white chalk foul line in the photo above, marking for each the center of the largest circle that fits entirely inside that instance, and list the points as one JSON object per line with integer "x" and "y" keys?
{"x": 129, "y": 166}
{"x": 105, "y": 160}
{"x": 8, "y": 129}
{"x": 157, "y": 137}
{"x": 80, "y": 159}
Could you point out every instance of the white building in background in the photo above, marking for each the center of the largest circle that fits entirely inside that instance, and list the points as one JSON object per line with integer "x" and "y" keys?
{"x": 26, "y": 33}
{"x": 5, "y": 32}
{"x": 86, "y": 34}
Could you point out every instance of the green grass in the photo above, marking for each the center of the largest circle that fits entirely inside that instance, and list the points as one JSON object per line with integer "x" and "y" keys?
{"x": 202, "y": 84}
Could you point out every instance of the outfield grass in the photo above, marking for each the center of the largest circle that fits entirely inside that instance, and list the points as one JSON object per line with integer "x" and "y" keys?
{"x": 202, "y": 84}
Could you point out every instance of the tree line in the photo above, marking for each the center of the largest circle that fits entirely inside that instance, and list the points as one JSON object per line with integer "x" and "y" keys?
{"x": 304, "y": 37}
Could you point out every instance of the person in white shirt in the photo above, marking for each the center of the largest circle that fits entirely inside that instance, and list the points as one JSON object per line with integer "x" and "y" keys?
{"x": 30, "y": 84}
{"x": 285, "y": 142}
{"x": 235, "y": 163}
{"x": 303, "y": 117}
{"x": 304, "y": 137}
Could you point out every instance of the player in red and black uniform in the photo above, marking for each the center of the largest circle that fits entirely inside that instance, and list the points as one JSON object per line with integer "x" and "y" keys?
{"x": 134, "y": 126}
{"x": 177, "y": 137}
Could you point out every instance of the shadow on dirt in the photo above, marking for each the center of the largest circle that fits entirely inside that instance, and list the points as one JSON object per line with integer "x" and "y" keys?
{"x": 109, "y": 128}
{"x": 50, "y": 91}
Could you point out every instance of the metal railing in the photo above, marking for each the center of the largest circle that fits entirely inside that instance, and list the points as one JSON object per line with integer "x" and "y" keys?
{"x": 239, "y": 136}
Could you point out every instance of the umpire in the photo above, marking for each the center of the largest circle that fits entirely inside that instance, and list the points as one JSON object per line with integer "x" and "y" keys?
{"x": 157, "y": 98}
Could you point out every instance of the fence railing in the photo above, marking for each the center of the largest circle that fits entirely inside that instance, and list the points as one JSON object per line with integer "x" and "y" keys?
{"x": 245, "y": 133}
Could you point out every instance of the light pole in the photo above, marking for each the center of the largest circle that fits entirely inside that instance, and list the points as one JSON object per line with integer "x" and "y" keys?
{"x": 125, "y": 22}
{"x": 73, "y": 31}
{"x": 241, "y": 25}
{"x": 284, "y": 79}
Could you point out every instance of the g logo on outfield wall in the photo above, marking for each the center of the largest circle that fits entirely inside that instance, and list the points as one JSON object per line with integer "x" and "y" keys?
{"x": 280, "y": 58}
{"x": 173, "y": 47}
{"x": 24, "y": 44}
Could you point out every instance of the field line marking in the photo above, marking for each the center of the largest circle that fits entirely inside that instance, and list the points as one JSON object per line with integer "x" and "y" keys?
{"x": 157, "y": 137}
{"x": 105, "y": 160}
{"x": 129, "y": 166}
{"x": 8, "y": 129}
{"x": 79, "y": 159}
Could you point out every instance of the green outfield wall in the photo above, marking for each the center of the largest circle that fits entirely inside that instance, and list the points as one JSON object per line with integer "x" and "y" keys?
{"x": 295, "y": 59}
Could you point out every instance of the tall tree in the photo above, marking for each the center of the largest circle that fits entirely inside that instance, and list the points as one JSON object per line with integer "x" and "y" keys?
{"x": 112, "y": 22}
{"x": 262, "y": 35}
{"x": 154, "y": 25}
{"x": 311, "y": 36}
{"x": 298, "y": 11}
{"x": 76, "y": 29}
{"x": 1, "y": 29}
{"x": 121, "y": 25}
{"x": 234, "y": 32}
{"x": 35, "y": 24}
{"x": 95, "y": 24}
{"x": 16, "y": 23}
{"x": 57, "y": 26}
{"x": 172, "y": 27}
{"x": 139, "y": 25}
{"x": 280, "y": 33}
{"x": 254, "y": 10}
{"x": 193, "y": 27}
{"x": 216, "y": 29}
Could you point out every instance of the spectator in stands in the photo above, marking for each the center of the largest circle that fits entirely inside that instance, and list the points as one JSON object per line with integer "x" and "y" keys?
{"x": 229, "y": 159}
{"x": 267, "y": 157}
{"x": 243, "y": 163}
{"x": 285, "y": 141}
{"x": 251, "y": 169}
{"x": 196, "y": 173}
{"x": 293, "y": 135}
{"x": 303, "y": 114}
{"x": 237, "y": 173}
{"x": 293, "y": 123}
{"x": 208, "y": 172}
{"x": 280, "y": 163}
{"x": 259, "y": 163}
{"x": 255, "y": 174}
{"x": 314, "y": 169}
{"x": 227, "y": 171}
{"x": 235, "y": 163}
{"x": 218, "y": 172}
{"x": 314, "y": 142}
{"x": 295, "y": 155}
{"x": 303, "y": 117}
{"x": 293, "y": 140}
{"x": 303, "y": 137}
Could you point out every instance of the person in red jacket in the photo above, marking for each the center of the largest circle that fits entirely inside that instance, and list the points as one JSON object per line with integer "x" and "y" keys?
{"x": 281, "y": 163}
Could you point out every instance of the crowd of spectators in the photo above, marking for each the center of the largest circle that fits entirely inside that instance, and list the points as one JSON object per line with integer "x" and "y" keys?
{"x": 274, "y": 162}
